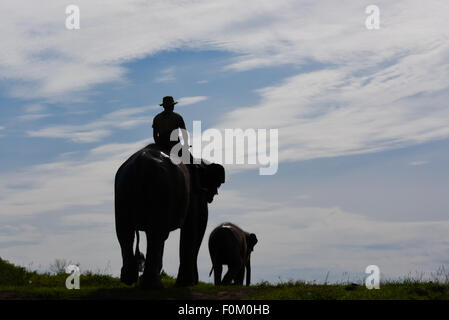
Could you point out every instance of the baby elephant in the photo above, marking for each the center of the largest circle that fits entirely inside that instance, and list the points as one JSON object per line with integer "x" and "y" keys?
{"x": 230, "y": 245}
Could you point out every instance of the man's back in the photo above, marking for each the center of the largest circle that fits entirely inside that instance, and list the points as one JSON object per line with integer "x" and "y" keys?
{"x": 164, "y": 123}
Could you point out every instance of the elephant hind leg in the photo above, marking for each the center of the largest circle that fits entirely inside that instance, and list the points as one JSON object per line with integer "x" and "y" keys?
{"x": 129, "y": 272}
{"x": 233, "y": 270}
{"x": 153, "y": 266}
{"x": 218, "y": 269}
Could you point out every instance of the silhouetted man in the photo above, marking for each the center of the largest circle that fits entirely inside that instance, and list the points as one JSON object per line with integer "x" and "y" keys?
{"x": 165, "y": 122}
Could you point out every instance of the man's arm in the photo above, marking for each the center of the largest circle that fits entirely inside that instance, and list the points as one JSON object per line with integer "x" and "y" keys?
{"x": 155, "y": 134}
{"x": 185, "y": 138}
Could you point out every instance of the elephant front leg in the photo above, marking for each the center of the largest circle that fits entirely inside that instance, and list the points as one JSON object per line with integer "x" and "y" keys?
{"x": 151, "y": 278}
{"x": 192, "y": 233}
{"x": 187, "y": 273}
{"x": 240, "y": 276}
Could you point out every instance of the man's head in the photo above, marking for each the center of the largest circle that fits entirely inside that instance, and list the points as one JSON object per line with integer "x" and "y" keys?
{"x": 168, "y": 103}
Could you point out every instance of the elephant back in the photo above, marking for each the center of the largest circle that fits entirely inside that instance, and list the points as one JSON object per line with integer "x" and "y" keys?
{"x": 227, "y": 236}
{"x": 155, "y": 191}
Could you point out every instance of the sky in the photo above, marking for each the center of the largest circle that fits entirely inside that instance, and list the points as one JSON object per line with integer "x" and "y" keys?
{"x": 362, "y": 117}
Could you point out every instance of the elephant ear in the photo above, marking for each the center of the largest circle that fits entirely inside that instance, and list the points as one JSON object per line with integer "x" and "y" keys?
{"x": 218, "y": 172}
{"x": 212, "y": 175}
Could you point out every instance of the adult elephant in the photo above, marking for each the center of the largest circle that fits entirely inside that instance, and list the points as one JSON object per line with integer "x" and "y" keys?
{"x": 229, "y": 245}
{"x": 154, "y": 195}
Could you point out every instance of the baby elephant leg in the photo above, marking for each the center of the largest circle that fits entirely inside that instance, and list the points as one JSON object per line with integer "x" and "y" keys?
{"x": 233, "y": 273}
{"x": 218, "y": 269}
{"x": 240, "y": 276}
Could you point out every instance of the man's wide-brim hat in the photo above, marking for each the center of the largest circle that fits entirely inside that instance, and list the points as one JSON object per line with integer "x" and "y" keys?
{"x": 168, "y": 101}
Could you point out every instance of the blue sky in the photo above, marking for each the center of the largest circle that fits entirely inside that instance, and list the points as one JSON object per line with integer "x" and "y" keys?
{"x": 362, "y": 116}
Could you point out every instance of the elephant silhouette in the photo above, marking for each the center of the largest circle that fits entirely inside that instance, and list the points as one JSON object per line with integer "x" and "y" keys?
{"x": 229, "y": 245}
{"x": 154, "y": 195}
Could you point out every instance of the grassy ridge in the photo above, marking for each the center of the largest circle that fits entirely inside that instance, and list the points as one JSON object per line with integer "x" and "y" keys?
{"x": 18, "y": 283}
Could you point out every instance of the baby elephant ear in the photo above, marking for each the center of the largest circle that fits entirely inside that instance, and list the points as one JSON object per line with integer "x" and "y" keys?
{"x": 252, "y": 240}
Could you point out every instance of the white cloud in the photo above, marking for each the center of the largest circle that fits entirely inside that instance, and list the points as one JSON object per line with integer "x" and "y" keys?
{"x": 39, "y": 50}
{"x": 329, "y": 239}
{"x": 66, "y": 183}
{"x": 13, "y": 235}
{"x": 292, "y": 239}
{"x": 365, "y": 91}
{"x": 88, "y": 220}
{"x": 330, "y": 113}
{"x": 167, "y": 75}
{"x": 34, "y": 108}
{"x": 373, "y": 90}
{"x": 73, "y": 133}
{"x": 33, "y": 112}
{"x": 185, "y": 101}
{"x": 418, "y": 163}
{"x": 33, "y": 116}
{"x": 97, "y": 130}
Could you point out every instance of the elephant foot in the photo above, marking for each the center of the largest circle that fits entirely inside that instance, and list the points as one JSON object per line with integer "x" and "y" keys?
{"x": 151, "y": 282}
{"x": 185, "y": 283}
{"x": 186, "y": 278}
{"x": 129, "y": 275}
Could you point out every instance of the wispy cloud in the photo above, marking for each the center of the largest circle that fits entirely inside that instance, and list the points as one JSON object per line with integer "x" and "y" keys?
{"x": 33, "y": 112}
{"x": 295, "y": 237}
{"x": 34, "y": 108}
{"x": 87, "y": 220}
{"x": 324, "y": 113}
{"x": 185, "y": 101}
{"x": 328, "y": 113}
{"x": 88, "y": 178}
{"x": 97, "y": 130}
{"x": 418, "y": 163}
{"x": 166, "y": 75}
{"x": 277, "y": 33}
{"x": 363, "y": 91}
{"x": 33, "y": 116}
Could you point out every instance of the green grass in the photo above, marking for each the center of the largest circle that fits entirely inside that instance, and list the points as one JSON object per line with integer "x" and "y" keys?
{"x": 19, "y": 283}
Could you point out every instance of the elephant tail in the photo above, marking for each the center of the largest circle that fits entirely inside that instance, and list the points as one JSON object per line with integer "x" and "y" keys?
{"x": 211, "y": 269}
